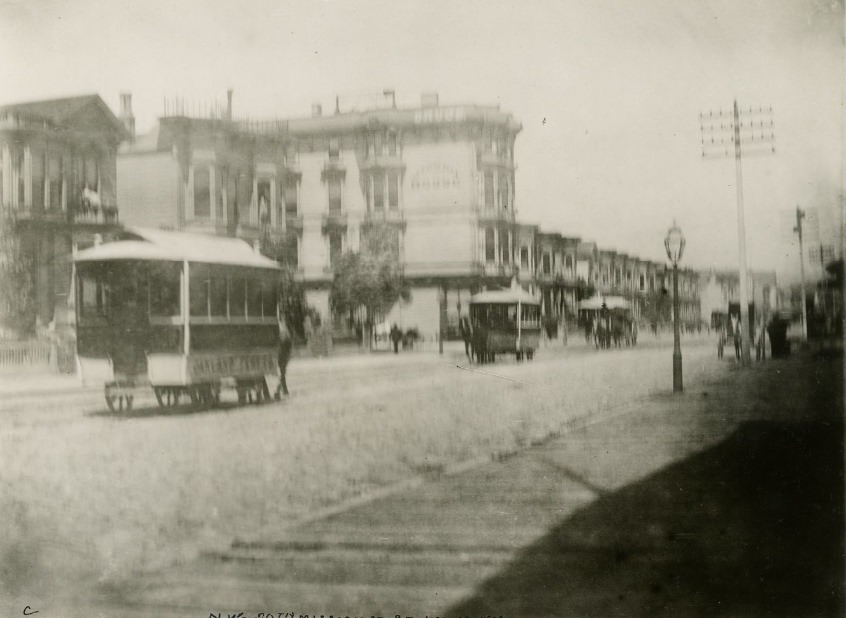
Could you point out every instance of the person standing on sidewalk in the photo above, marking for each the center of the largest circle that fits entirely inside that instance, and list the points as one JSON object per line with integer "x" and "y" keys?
{"x": 467, "y": 335}
{"x": 396, "y": 336}
{"x": 286, "y": 344}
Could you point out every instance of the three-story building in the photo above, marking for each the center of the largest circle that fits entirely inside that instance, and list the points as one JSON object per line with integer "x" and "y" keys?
{"x": 58, "y": 184}
{"x": 441, "y": 177}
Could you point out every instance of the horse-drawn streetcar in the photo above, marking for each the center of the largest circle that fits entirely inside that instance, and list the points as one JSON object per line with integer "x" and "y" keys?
{"x": 184, "y": 314}
{"x": 609, "y": 320}
{"x": 504, "y": 322}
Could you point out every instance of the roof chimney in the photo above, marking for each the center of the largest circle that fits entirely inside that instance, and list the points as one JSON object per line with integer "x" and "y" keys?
{"x": 229, "y": 105}
{"x": 429, "y": 99}
{"x": 316, "y": 110}
{"x": 126, "y": 116}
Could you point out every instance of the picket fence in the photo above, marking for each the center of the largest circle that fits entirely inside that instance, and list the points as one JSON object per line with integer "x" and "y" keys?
{"x": 24, "y": 353}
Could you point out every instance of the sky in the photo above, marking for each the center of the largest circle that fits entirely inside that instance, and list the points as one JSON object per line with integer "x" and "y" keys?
{"x": 609, "y": 94}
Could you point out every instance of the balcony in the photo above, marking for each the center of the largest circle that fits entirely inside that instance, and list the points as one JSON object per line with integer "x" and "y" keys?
{"x": 333, "y": 168}
{"x": 294, "y": 221}
{"x": 393, "y": 217}
{"x": 291, "y": 167}
{"x": 385, "y": 162}
{"x": 568, "y": 276}
{"x": 494, "y": 214}
{"x": 499, "y": 270}
{"x": 336, "y": 220}
{"x": 492, "y": 159}
{"x": 78, "y": 213}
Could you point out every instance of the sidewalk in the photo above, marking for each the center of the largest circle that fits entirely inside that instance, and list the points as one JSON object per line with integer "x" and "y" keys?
{"x": 724, "y": 501}
{"x": 26, "y": 382}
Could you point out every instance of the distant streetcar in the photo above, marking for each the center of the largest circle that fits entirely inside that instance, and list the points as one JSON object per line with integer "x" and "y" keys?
{"x": 505, "y": 322}
{"x": 185, "y": 314}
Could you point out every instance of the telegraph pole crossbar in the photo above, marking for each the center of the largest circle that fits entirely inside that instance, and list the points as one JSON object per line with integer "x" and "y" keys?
{"x": 734, "y": 132}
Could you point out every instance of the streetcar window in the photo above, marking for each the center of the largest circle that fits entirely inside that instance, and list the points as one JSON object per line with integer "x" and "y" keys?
{"x": 217, "y": 297}
{"x": 164, "y": 290}
{"x": 199, "y": 290}
{"x": 269, "y": 299}
{"x": 512, "y": 316}
{"x": 123, "y": 291}
{"x": 531, "y": 314}
{"x": 254, "y": 295}
{"x": 237, "y": 297}
{"x": 92, "y": 296}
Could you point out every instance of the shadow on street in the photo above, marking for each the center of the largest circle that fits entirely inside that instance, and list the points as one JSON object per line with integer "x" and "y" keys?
{"x": 750, "y": 527}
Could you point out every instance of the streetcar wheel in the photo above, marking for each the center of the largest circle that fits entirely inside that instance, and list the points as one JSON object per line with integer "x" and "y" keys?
{"x": 158, "y": 392}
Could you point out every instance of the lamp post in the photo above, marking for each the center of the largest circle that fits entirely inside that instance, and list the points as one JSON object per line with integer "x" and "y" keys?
{"x": 674, "y": 243}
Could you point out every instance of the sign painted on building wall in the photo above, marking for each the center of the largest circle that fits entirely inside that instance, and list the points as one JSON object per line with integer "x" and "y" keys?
{"x": 435, "y": 176}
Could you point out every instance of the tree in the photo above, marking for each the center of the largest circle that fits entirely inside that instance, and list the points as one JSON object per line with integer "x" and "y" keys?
{"x": 17, "y": 289}
{"x": 292, "y": 302}
{"x": 657, "y": 307}
{"x": 371, "y": 278}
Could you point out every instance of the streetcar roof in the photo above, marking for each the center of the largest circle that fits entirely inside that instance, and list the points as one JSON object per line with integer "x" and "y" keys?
{"x": 504, "y": 297}
{"x": 159, "y": 245}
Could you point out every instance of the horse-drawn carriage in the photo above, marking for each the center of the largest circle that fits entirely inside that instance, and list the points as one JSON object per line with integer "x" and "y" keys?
{"x": 608, "y": 321}
{"x": 504, "y": 322}
{"x": 184, "y": 314}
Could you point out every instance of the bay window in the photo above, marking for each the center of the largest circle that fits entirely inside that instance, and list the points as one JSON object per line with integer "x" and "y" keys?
{"x": 202, "y": 192}
{"x": 378, "y": 191}
{"x": 54, "y": 173}
{"x": 335, "y": 190}
{"x": 393, "y": 191}
{"x": 38, "y": 181}
{"x": 289, "y": 194}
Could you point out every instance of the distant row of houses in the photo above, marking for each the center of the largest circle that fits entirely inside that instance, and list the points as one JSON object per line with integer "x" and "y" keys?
{"x": 440, "y": 178}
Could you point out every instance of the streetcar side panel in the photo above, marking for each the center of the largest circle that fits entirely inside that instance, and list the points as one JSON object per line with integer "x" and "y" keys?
{"x": 232, "y": 322}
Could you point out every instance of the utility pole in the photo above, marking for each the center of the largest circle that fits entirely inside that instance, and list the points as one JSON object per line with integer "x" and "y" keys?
{"x": 723, "y": 134}
{"x": 800, "y": 214}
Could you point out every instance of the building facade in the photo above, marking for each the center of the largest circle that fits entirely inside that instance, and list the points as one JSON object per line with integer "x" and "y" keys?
{"x": 441, "y": 177}
{"x": 721, "y": 288}
{"x": 58, "y": 185}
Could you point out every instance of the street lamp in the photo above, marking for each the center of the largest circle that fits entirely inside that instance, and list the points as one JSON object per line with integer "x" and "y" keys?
{"x": 674, "y": 243}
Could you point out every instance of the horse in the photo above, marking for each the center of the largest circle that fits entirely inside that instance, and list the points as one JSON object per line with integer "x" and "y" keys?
{"x": 602, "y": 336}
{"x": 480, "y": 343}
{"x": 588, "y": 330}
{"x": 617, "y": 331}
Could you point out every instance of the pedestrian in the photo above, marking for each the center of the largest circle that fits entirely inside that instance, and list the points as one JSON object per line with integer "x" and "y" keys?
{"x": 737, "y": 341}
{"x": 761, "y": 343}
{"x": 467, "y": 335}
{"x": 396, "y": 336}
{"x": 286, "y": 344}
